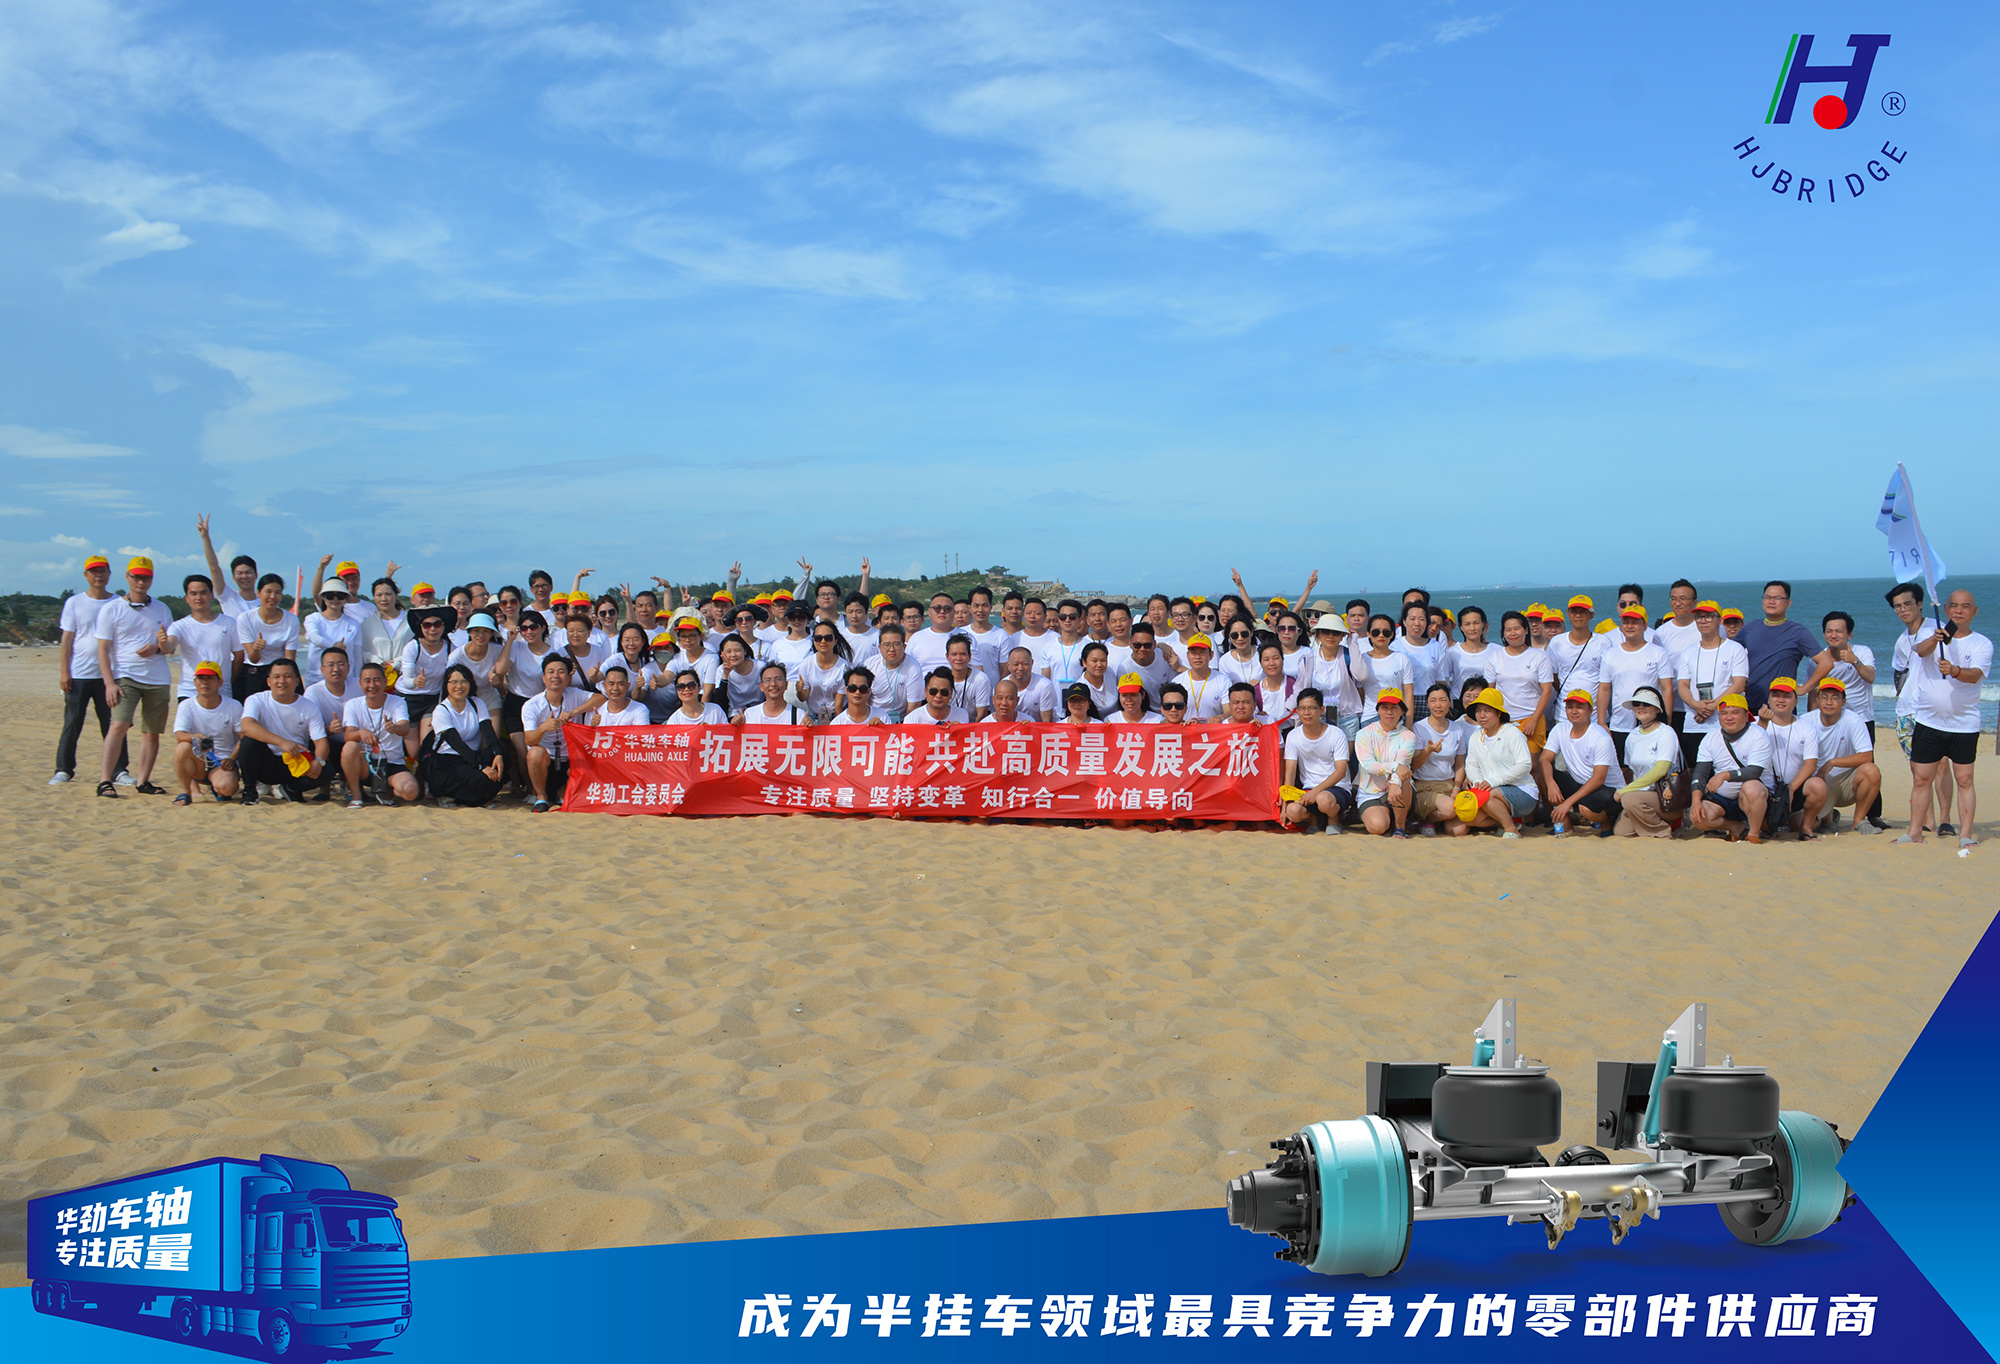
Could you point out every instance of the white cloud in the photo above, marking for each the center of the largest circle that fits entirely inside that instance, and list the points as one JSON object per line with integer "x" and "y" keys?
{"x": 168, "y": 560}
{"x": 141, "y": 238}
{"x": 277, "y": 414}
{"x": 1448, "y": 31}
{"x": 715, "y": 257}
{"x": 96, "y": 495}
{"x": 26, "y": 443}
{"x": 73, "y": 541}
{"x": 20, "y": 511}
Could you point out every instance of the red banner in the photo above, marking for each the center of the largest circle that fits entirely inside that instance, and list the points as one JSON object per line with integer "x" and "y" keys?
{"x": 1203, "y": 772}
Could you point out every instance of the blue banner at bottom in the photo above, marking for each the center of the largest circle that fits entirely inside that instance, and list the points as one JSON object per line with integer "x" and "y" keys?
{"x": 1166, "y": 1285}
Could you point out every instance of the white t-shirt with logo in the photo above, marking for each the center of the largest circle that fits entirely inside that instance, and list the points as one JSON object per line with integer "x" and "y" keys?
{"x": 1207, "y": 698}
{"x": 1377, "y": 674}
{"x": 467, "y": 722}
{"x": 1580, "y": 754}
{"x": 278, "y": 636}
{"x": 319, "y": 633}
{"x": 1441, "y": 765}
{"x": 1578, "y": 665}
{"x": 219, "y": 726}
{"x": 1842, "y": 740}
{"x": 1860, "y": 695}
{"x": 922, "y": 716}
{"x": 1753, "y": 749}
{"x": 1642, "y": 750}
{"x": 332, "y": 709}
{"x": 1519, "y": 678}
{"x": 634, "y": 714}
{"x": 536, "y": 712}
{"x": 1792, "y": 746}
{"x": 1459, "y": 665}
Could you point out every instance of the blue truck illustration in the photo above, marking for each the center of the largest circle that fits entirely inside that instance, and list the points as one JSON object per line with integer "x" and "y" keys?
{"x": 279, "y": 1253}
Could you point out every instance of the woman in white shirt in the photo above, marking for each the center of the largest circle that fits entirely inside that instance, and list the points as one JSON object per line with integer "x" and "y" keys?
{"x": 817, "y": 685}
{"x": 587, "y": 658}
{"x": 1652, "y": 752}
{"x": 327, "y": 626}
{"x": 1472, "y": 657}
{"x": 1497, "y": 759}
{"x": 1437, "y": 768}
{"x": 688, "y": 687}
{"x": 1382, "y": 666}
{"x": 1522, "y": 674}
{"x": 1077, "y": 707}
{"x": 268, "y": 633}
{"x": 1277, "y": 689}
{"x": 1134, "y": 706}
{"x": 1240, "y": 663}
{"x": 460, "y": 756}
{"x": 519, "y": 670}
{"x": 420, "y": 671}
{"x": 478, "y": 655}
{"x": 735, "y": 687}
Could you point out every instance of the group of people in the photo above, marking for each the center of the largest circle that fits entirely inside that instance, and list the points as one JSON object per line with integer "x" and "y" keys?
{"x": 1392, "y": 723}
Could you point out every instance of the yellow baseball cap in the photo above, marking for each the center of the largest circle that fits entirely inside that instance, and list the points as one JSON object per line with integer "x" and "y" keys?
{"x": 1390, "y": 696}
{"x": 1276, "y": 601}
{"x": 780, "y": 595}
{"x": 879, "y": 599}
{"x": 1735, "y": 699}
{"x": 724, "y": 595}
{"x": 1830, "y": 684}
{"x": 1707, "y": 606}
{"x": 1632, "y": 612}
{"x": 208, "y": 668}
{"x": 761, "y": 599}
{"x": 422, "y": 588}
{"x": 347, "y": 568}
{"x": 662, "y": 639}
{"x": 1131, "y": 682}
{"x": 1790, "y": 684}
{"x": 1732, "y": 613}
{"x": 1199, "y": 601}
{"x": 1580, "y": 695}
{"x": 1605, "y": 627}
{"x": 96, "y": 561}
{"x": 140, "y": 565}
{"x": 1200, "y": 642}
{"x": 1579, "y": 600}
{"x": 664, "y": 613}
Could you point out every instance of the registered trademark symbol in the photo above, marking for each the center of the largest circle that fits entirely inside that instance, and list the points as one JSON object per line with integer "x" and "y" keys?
{"x": 1892, "y": 104}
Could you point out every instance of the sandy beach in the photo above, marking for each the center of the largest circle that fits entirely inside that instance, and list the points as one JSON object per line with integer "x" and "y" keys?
{"x": 551, "y": 1033}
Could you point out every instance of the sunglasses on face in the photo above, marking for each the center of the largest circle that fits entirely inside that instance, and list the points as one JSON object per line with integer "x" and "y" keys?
{"x": 1068, "y": 615}
{"x": 1173, "y": 705}
{"x": 857, "y": 688}
{"x": 937, "y": 691}
{"x": 1239, "y": 634}
{"x": 687, "y": 686}
{"x": 1381, "y": 634}
{"x": 822, "y": 639}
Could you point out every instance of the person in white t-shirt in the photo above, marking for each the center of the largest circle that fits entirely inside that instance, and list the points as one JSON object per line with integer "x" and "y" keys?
{"x": 855, "y": 627}
{"x": 818, "y": 681}
{"x": 1277, "y": 689}
{"x": 1034, "y": 695}
{"x": 620, "y": 710}
{"x": 331, "y": 694}
{"x": 203, "y": 635}
{"x": 267, "y": 632}
{"x": 542, "y": 719}
{"x": 236, "y": 593}
{"x": 380, "y": 739}
{"x": 926, "y": 647}
{"x": 1524, "y": 676}
{"x": 1652, "y": 752}
{"x": 1947, "y": 668}
{"x": 1134, "y": 706}
{"x": 1207, "y": 691}
{"x": 1424, "y": 650}
{"x": 971, "y": 692}
{"x": 279, "y": 723}
{"x": 1907, "y": 601}
{"x": 1633, "y": 662}
{"x": 1583, "y": 788}
{"x": 420, "y": 670}
{"x": 858, "y": 707}
{"x": 1472, "y": 656}
{"x": 1707, "y": 670}
{"x": 77, "y": 673}
{"x": 1316, "y": 761}
{"x": 461, "y": 757}
{"x": 1437, "y": 767}
{"x": 1061, "y": 654}
{"x": 1729, "y": 788}
{"x": 1381, "y": 668}
{"x": 1098, "y": 677}
{"x": 899, "y": 683}
{"x": 694, "y": 710}
{"x": 327, "y": 626}
{"x": 1145, "y": 658}
{"x": 1796, "y": 791}
{"x": 206, "y": 727}
{"x": 938, "y": 708}
{"x": 132, "y": 644}
{"x": 1854, "y": 668}
{"x": 1679, "y": 631}
{"x": 1239, "y": 662}
{"x": 1077, "y": 706}
{"x": 792, "y": 645}
{"x": 989, "y": 641}
{"x": 1006, "y": 703}
{"x": 1576, "y": 656}
{"x": 1846, "y": 759}
{"x": 772, "y": 706}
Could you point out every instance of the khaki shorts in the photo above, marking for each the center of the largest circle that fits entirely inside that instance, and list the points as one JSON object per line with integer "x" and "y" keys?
{"x": 1422, "y": 803}
{"x": 148, "y": 699}
{"x": 1840, "y": 789}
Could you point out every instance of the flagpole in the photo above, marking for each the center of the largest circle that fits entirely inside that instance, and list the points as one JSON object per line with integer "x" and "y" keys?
{"x": 1923, "y": 545}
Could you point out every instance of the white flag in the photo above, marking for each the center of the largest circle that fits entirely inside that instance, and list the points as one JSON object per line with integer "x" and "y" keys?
{"x": 1910, "y": 554}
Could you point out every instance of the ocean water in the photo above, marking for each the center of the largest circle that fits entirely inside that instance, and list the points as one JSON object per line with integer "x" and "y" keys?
{"x": 1875, "y": 625}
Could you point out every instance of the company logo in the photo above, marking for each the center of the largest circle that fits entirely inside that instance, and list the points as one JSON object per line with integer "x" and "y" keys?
{"x": 1809, "y": 179}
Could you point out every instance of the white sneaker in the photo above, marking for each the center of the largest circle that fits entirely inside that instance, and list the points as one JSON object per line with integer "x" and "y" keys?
{"x": 59, "y": 779}
{"x": 125, "y": 779}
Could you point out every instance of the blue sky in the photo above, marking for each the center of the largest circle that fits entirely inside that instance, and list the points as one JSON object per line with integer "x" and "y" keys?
{"x": 1129, "y": 294}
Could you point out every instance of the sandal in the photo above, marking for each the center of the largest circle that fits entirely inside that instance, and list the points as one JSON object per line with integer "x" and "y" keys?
{"x": 108, "y": 788}
{"x": 183, "y": 799}
{"x": 540, "y": 807}
{"x": 1904, "y": 838}
{"x": 146, "y": 788}
{"x": 357, "y": 805}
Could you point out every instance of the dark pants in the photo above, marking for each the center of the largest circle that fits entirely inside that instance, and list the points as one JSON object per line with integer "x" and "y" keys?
{"x": 263, "y": 764}
{"x": 85, "y": 694}
{"x": 1875, "y": 810}
{"x": 1597, "y": 802}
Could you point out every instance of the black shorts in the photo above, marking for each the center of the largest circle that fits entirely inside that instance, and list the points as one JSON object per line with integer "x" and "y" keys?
{"x": 419, "y": 705}
{"x": 1730, "y": 808}
{"x": 1929, "y": 745}
{"x": 510, "y": 711}
{"x": 1597, "y": 802}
